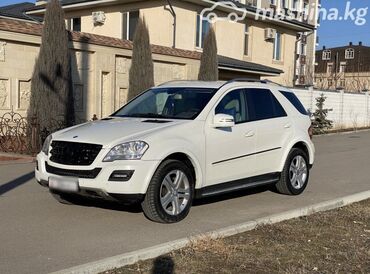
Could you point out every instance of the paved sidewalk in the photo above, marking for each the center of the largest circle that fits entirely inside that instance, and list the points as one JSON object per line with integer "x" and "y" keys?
{"x": 10, "y": 158}
{"x": 38, "y": 235}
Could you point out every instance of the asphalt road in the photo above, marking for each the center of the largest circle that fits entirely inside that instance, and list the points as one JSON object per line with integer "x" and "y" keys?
{"x": 39, "y": 235}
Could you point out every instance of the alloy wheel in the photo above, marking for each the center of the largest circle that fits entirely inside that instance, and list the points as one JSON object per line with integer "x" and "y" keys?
{"x": 175, "y": 192}
{"x": 298, "y": 172}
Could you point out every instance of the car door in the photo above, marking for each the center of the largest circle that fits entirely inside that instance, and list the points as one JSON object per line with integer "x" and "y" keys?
{"x": 273, "y": 129}
{"x": 230, "y": 151}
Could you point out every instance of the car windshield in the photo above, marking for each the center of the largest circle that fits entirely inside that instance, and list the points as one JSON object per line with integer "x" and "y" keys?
{"x": 170, "y": 103}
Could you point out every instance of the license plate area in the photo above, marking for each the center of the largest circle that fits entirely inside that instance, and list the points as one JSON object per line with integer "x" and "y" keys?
{"x": 64, "y": 184}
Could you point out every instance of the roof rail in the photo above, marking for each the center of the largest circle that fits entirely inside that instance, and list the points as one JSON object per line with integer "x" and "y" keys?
{"x": 249, "y": 80}
{"x": 174, "y": 81}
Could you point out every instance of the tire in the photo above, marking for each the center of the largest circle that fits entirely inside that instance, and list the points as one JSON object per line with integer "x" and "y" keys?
{"x": 63, "y": 198}
{"x": 288, "y": 184}
{"x": 170, "y": 193}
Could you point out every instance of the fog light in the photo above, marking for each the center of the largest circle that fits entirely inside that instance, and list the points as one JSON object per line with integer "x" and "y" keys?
{"x": 121, "y": 175}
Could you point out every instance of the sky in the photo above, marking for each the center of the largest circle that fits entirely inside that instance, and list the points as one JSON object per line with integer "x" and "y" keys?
{"x": 339, "y": 33}
{"x": 331, "y": 33}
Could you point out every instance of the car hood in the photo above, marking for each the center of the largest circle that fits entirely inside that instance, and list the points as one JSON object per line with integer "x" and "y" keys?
{"x": 110, "y": 132}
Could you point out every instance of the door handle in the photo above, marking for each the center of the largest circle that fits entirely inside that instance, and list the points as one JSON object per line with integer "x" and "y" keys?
{"x": 288, "y": 126}
{"x": 249, "y": 134}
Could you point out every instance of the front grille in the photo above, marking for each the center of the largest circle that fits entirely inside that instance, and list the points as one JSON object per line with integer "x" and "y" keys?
{"x": 84, "y": 174}
{"x": 70, "y": 153}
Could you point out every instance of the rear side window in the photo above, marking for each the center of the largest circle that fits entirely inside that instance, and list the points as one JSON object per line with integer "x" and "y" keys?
{"x": 263, "y": 105}
{"x": 295, "y": 101}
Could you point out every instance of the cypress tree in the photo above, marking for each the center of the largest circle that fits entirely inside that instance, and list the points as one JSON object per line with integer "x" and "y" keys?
{"x": 209, "y": 61}
{"x": 51, "y": 99}
{"x": 141, "y": 71}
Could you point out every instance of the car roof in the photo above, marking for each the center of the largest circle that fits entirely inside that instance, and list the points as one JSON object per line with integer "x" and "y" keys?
{"x": 219, "y": 84}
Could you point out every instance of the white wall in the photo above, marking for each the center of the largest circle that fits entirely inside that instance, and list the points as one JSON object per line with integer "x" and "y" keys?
{"x": 350, "y": 110}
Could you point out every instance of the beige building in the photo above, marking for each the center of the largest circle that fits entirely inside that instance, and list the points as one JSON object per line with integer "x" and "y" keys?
{"x": 346, "y": 68}
{"x": 173, "y": 23}
{"x": 101, "y": 33}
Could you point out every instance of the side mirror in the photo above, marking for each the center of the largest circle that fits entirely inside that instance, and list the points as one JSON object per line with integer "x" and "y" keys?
{"x": 223, "y": 121}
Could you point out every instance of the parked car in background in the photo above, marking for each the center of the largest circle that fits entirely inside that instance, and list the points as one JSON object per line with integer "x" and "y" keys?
{"x": 184, "y": 140}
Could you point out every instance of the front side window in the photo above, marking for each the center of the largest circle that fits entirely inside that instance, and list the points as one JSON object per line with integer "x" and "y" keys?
{"x": 170, "y": 103}
{"x": 293, "y": 99}
{"x": 277, "y": 47}
{"x": 263, "y": 105}
{"x": 234, "y": 104}
{"x": 129, "y": 23}
{"x": 202, "y": 30}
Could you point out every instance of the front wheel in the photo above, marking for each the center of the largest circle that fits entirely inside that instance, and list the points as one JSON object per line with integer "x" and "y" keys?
{"x": 295, "y": 175}
{"x": 170, "y": 193}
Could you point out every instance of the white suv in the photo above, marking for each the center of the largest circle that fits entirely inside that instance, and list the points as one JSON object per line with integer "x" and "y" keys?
{"x": 184, "y": 140}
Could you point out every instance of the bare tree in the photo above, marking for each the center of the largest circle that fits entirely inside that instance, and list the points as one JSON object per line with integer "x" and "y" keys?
{"x": 141, "y": 71}
{"x": 209, "y": 61}
{"x": 51, "y": 87}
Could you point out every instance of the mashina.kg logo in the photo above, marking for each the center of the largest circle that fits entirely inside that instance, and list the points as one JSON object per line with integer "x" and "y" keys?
{"x": 234, "y": 11}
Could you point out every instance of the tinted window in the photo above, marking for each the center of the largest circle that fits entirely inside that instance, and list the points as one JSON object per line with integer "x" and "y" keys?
{"x": 234, "y": 104}
{"x": 171, "y": 103}
{"x": 262, "y": 105}
{"x": 295, "y": 101}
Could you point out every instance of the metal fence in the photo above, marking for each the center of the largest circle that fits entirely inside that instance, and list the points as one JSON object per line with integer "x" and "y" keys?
{"x": 19, "y": 134}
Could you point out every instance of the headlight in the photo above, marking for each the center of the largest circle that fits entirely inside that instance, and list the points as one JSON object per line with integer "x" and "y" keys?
{"x": 127, "y": 151}
{"x": 45, "y": 147}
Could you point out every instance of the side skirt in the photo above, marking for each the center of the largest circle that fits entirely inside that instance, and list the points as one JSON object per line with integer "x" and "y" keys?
{"x": 236, "y": 185}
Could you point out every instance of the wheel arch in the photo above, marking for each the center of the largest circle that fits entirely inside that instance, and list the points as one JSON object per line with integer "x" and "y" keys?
{"x": 303, "y": 145}
{"x": 190, "y": 162}
{"x": 188, "y": 158}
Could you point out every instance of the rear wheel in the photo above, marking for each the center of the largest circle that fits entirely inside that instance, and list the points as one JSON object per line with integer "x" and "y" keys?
{"x": 170, "y": 193}
{"x": 295, "y": 175}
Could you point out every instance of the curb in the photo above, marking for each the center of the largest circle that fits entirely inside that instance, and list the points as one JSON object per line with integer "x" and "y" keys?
{"x": 343, "y": 132}
{"x": 155, "y": 251}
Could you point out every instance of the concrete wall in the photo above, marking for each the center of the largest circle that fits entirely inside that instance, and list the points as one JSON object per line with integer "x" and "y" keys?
{"x": 348, "y": 110}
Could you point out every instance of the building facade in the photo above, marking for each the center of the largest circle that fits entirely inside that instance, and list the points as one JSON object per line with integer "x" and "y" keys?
{"x": 179, "y": 24}
{"x": 101, "y": 33}
{"x": 346, "y": 68}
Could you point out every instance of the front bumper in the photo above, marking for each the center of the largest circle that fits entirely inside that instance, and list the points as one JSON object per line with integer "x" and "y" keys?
{"x": 101, "y": 185}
